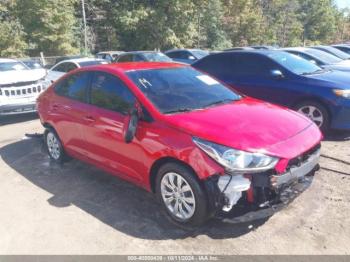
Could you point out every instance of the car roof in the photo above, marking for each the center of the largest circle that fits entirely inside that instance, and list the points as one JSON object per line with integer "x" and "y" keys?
{"x": 79, "y": 60}
{"x": 250, "y": 51}
{"x": 300, "y": 49}
{"x": 134, "y": 66}
{"x": 5, "y": 60}
{"x": 183, "y": 49}
{"x": 139, "y": 52}
{"x": 110, "y": 52}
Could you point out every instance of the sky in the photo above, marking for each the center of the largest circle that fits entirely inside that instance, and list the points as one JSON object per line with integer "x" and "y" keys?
{"x": 343, "y": 3}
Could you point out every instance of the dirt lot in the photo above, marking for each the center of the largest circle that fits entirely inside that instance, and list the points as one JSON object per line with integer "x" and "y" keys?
{"x": 77, "y": 209}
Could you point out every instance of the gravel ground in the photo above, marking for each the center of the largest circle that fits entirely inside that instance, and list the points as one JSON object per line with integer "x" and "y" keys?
{"x": 77, "y": 209}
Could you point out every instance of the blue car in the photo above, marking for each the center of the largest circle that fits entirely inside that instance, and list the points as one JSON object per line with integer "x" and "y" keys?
{"x": 286, "y": 79}
{"x": 187, "y": 56}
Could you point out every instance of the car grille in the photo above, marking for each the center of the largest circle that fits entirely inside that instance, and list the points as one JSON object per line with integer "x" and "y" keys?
{"x": 299, "y": 160}
{"x": 20, "y": 84}
{"x": 21, "y": 91}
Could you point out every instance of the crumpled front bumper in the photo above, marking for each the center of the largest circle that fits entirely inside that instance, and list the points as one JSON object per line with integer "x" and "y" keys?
{"x": 268, "y": 193}
{"x": 244, "y": 213}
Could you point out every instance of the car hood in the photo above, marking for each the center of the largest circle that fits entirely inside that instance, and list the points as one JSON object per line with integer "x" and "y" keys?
{"x": 251, "y": 125}
{"x": 12, "y": 77}
{"x": 332, "y": 79}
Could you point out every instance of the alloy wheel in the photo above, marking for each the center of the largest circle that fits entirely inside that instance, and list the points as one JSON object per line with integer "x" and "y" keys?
{"x": 178, "y": 196}
{"x": 313, "y": 113}
{"x": 53, "y": 146}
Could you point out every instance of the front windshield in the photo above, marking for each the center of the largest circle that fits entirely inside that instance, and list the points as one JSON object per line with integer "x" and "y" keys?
{"x": 323, "y": 56}
{"x": 294, "y": 63}
{"x": 156, "y": 57}
{"x": 342, "y": 55}
{"x": 181, "y": 89}
{"x": 12, "y": 66}
{"x": 200, "y": 53}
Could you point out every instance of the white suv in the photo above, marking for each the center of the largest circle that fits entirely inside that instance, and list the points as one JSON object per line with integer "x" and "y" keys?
{"x": 19, "y": 87}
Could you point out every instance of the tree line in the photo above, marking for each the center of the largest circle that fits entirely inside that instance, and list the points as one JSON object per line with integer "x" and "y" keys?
{"x": 55, "y": 27}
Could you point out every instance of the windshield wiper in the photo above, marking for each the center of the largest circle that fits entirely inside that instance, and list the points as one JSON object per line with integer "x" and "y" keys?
{"x": 219, "y": 102}
{"x": 319, "y": 71}
{"x": 179, "y": 110}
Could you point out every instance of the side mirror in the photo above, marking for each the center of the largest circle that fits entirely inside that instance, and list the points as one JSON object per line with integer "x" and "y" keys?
{"x": 277, "y": 74}
{"x": 130, "y": 125}
{"x": 313, "y": 61}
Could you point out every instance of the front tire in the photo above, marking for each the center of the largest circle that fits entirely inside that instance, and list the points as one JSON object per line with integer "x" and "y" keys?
{"x": 181, "y": 195}
{"x": 54, "y": 146}
{"x": 316, "y": 113}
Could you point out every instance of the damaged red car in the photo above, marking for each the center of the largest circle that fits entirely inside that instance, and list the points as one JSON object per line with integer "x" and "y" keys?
{"x": 202, "y": 148}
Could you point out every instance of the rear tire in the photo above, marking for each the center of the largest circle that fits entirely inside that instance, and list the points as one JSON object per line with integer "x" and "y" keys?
{"x": 316, "y": 112}
{"x": 181, "y": 195}
{"x": 54, "y": 146}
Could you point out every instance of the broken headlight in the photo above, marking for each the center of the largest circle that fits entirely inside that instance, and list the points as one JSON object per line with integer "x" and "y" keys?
{"x": 236, "y": 160}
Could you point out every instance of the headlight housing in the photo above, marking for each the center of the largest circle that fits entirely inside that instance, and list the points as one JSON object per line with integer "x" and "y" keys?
{"x": 342, "y": 92}
{"x": 234, "y": 160}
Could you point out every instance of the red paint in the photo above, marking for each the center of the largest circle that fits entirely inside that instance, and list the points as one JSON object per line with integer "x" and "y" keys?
{"x": 95, "y": 135}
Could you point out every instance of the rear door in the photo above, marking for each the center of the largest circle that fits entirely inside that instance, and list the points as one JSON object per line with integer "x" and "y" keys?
{"x": 111, "y": 100}
{"x": 70, "y": 107}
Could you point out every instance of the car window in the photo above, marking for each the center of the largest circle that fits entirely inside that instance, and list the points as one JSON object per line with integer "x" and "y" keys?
{"x": 294, "y": 63}
{"x": 200, "y": 53}
{"x": 156, "y": 57}
{"x": 307, "y": 57}
{"x": 252, "y": 65}
{"x": 12, "y": 66}
{"x": 323, "y": 56}
{"x": 344, "y": 49}
{"x": 126, "y": 58}
{"x": 109, "y": 92}
{"x": 60, "y": 68}
{"x": 234, "y": 64}
{"x": 219, "y": 65}
{"x": 138, "y": 58}
{"x": 70, "y": 67}
{"x": 175, "y": 54}
{"x": 74, "y": 86}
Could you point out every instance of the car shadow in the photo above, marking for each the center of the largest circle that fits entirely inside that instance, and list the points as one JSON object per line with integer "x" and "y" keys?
{"x": 12, "y": 119}
{"x": 117, "y": 203}
{"x": 337, "y": 135}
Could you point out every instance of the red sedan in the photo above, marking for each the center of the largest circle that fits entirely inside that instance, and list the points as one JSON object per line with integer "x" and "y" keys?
{"x": 199, "y": 146}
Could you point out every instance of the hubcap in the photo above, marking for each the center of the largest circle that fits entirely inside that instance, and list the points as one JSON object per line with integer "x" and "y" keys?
{"x": 313, "y": 113}
{"x": 53, "y": 146}
{"x": 178, "y": 196}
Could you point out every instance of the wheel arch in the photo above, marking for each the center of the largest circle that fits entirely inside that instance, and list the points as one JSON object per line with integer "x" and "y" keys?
{"x": 160, "y": 162}
{"x": 314, "y": 99}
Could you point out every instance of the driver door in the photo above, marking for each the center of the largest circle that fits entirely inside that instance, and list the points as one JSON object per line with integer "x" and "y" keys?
{"x": 111, "y": 102}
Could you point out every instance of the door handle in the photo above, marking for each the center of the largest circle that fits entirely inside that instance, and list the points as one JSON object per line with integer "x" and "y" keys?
{"x": 89, "y": 119}
{"x": 55, "y": 106}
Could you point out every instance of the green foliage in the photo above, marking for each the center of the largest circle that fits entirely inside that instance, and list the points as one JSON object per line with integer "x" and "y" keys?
{"x": 28, "y": 27}
{"x": 49, "y": 25}
{"x": 11, "y": 32}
